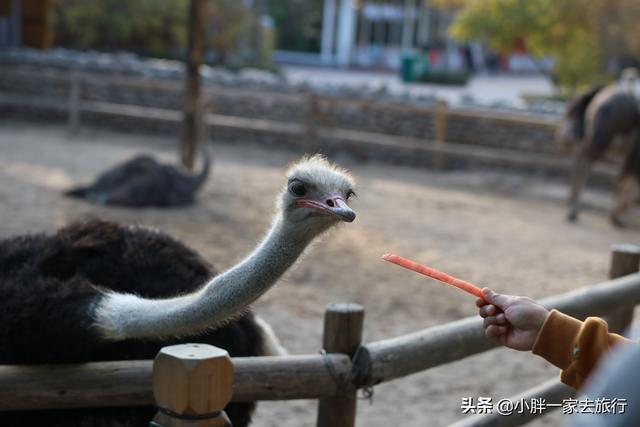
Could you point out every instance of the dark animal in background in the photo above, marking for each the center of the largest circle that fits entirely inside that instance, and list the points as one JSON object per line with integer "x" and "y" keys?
{"x": 573, "y": 126}
{"x": 592, "y": 121}
{"x": 101, "y": 291}
{"x": 143, "y": 181}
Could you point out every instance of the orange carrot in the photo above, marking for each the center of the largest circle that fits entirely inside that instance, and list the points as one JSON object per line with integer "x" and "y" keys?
{"x": 435, "y": 274}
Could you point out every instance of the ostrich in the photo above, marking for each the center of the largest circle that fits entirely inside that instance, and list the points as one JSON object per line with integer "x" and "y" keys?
{"x": 143, "y": 181}
{"x": 592, "y": 120}
{"x": 102, "y": 291}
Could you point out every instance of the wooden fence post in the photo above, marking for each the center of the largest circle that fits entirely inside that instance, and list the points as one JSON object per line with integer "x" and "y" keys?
{"x": 625, "y": 259}
{"x": 311, "y": 125}
{"x": 440, "y": 133}
{"x": 342, "y": 334}
{"x": 192, "y": 383}
{"x": 74, "y": 102}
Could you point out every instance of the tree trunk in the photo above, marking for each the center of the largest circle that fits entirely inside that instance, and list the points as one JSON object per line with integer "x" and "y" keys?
{"x": 195, "y": 53}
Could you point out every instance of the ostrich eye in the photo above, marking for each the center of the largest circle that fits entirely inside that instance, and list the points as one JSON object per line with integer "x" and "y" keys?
{"x": 350, "y": 193}
{"x": 297, "y": 188}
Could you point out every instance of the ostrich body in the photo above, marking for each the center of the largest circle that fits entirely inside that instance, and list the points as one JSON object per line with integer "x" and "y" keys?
{"x": 592, "y": 121}
{"x": 102, "y": 291}
{"x": 143, "y": 181}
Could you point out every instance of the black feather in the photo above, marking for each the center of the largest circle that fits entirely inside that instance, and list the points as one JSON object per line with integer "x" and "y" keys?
{"x": 49, "y": 284}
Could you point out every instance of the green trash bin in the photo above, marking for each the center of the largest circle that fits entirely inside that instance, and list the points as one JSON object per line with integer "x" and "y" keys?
{"x": 413, "y": 66}
{"x": 408, "y": 67}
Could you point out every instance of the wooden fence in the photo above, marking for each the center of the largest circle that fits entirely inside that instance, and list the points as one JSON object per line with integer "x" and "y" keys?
{"x": 333, "y": 377}
{"x": 315, "y": 128}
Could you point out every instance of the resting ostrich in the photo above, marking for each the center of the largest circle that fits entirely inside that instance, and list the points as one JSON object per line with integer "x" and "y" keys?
{"x": 143, "y": 181}
{"x": 102, "y": 291}
{"x": 592, "y": 121}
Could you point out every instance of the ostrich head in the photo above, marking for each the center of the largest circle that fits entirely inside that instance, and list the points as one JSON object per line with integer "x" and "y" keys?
{"x": 316, "y": 193}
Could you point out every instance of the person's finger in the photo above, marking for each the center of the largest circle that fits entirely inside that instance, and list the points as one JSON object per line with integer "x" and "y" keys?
{"x": 494, "y": 320}
{"x": 499, "y": 300}
{"x": 480, "y": 302}
{"x": 500, "y": 319}
{"x": 488, "y": 310}
{"x": 495, "y": 331}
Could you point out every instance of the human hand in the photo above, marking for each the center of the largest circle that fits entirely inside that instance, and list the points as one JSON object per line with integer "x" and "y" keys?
{"x": 512, "y": 321}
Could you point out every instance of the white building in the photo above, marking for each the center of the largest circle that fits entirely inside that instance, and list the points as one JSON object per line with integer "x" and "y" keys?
{"x": 374, "y": 34}
{"x": 369, "y": 33}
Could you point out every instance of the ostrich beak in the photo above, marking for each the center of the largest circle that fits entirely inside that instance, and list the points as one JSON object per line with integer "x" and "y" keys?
{"x": 333, "y": 206}
{"x": 341, "y": 209}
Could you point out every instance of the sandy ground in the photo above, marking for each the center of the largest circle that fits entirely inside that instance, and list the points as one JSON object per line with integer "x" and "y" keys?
{"x": 494, "y": 229}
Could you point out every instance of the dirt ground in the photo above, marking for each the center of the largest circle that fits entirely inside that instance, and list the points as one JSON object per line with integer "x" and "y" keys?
{"x": 495, "y": 229}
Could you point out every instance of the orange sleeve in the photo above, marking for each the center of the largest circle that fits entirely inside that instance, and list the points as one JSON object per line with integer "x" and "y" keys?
{"x": 574, "y": 346}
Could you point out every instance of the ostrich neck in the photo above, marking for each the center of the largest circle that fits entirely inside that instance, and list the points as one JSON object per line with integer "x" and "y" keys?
{"x": 121, "y": 316}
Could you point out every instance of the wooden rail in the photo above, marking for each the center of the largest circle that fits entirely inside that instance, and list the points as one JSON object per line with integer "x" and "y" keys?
{"x": 311, "y": 133}
{"x": 269, "y": 96}
{"x": 291, "y": 377}
{"x": 167, "y": 85}
{"x": 333, "y": 378}
{"x": 398, "y": 106}
{"x": 308, "y": 134}
{"x": 397, "y": 357}
{"x": 128, "y": 383}
{"x": 625, "y": 260}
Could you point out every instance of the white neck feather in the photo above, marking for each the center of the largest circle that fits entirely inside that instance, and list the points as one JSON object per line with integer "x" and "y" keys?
{"x": 122, "y": 316}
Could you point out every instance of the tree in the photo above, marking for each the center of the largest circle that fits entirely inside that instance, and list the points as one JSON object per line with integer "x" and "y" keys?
{"x": 298, "y": 23}
{"x": 157, "y": 28}
{"x": 584, "y": 40}
{"x": 148, "y": 26}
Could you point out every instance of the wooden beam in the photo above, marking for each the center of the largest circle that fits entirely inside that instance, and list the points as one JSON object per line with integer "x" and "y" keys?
{"x": 128, "y": 383}
{"x": 404, "y": 355}
{"x": 289, "y": 377}
{"x": 397, "y": 357}
{"x": 599, "y": 299}
{"x": 398, "y": 106}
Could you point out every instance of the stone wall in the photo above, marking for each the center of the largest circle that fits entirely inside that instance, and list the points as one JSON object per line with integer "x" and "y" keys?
{"x": 366, "y": 129}
{"x": 502, "y": 132}
{"x": 462, "y": 126}
{"x": 281, "y": 106}
{"x": 127, "y": 79}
